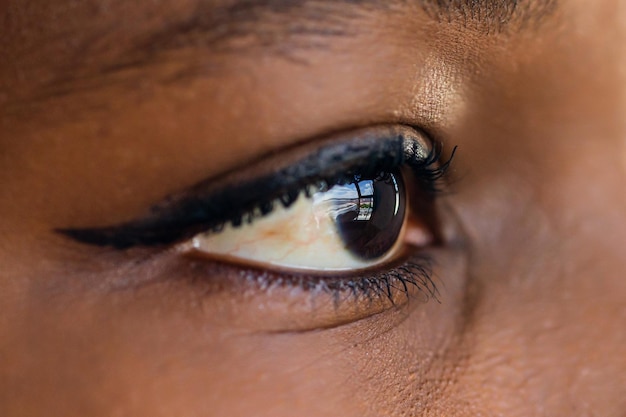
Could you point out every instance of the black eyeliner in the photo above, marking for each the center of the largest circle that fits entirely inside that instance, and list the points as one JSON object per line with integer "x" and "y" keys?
{"x": 209, "y": 205}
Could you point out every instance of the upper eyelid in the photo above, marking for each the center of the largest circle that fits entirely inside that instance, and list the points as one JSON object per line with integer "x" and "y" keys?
{"x": 183, "y": 215}
{"x": 296, "y": 153}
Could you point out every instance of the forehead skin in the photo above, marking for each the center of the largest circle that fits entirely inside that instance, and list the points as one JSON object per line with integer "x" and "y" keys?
{"x": 101, "y": 116}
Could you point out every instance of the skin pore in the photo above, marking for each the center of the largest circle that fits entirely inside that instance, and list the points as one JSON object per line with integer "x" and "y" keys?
{"x": 108, "y": 107}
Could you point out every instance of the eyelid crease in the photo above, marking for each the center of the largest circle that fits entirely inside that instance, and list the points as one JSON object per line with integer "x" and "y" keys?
{"x": 238, "y": 196}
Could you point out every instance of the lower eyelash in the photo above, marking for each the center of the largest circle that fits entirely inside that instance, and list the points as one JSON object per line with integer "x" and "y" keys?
{"x": 412, "y": 277}
{"x": 409, "y": 279}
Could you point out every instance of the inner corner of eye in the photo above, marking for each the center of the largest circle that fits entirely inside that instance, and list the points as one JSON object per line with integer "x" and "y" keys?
{"x": 417, "y": 234}
{"x": 346, "y": 227}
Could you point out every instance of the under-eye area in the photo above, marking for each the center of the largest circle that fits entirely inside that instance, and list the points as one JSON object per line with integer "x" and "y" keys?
{"x": 351, "y": 216}
{"x": 300, "y": 301}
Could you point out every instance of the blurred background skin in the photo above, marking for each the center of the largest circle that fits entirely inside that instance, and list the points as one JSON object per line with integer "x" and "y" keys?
{"x": 107, "y": 106}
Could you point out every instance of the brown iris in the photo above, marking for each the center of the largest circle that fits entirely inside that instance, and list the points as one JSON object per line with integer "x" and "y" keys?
{"x": 368, "y": 212}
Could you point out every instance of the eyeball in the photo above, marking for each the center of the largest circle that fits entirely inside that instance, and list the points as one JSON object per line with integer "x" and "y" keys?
{"x": 349, "y": 226}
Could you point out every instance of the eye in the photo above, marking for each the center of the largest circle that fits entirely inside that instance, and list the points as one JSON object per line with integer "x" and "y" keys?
{"x": 350, "y": 213}
{"x": 353, "y": 225}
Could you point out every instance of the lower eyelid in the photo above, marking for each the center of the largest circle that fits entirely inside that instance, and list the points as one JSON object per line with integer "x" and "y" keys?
{"x": 284, "y": 302}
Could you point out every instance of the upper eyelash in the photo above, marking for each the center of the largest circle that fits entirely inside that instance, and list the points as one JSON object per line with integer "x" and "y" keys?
{"x": 429, "y": 173}
{"x": 174, "y": 221}
{"x": 424, "y": 169}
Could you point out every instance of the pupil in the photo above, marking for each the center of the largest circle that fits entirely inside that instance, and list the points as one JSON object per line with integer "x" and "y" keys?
{"x": 368, "y": 213}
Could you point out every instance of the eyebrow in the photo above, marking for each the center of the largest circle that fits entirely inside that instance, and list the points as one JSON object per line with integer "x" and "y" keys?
{"x": 287, "y": 28}
{"x": 490, "y": 14}
{"x": 217, "y": 21}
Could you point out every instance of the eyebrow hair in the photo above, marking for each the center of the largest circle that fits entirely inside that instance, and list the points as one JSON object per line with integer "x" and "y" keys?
{"x": 492, "y": 15}
{"x": 277, "y": 27}
{"x": 220, "y": 20}
{"x": 233, "y": 25}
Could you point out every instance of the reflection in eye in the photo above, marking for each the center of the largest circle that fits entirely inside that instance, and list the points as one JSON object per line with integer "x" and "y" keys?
{"x": 349, "y": 226}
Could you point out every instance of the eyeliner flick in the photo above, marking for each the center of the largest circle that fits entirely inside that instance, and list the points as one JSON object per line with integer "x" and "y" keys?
{"x": 209, "y": 206}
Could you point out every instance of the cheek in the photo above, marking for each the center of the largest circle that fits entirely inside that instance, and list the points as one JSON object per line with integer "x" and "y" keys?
{"x": 155, "y": 351}
{"x": 167, "y": 349}
{"x": 355, "y": 371}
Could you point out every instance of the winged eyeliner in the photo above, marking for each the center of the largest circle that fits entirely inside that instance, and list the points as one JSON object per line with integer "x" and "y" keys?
{"x": 210, "y": 204}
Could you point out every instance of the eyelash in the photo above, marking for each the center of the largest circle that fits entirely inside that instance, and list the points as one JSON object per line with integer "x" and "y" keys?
{"x": 414, "y": 274}
{"x": 426, "y": 171}
{"x": 180, "y": 218}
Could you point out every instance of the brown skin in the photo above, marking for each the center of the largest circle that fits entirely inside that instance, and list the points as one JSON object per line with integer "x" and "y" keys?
{"x": 532, "y": 313}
